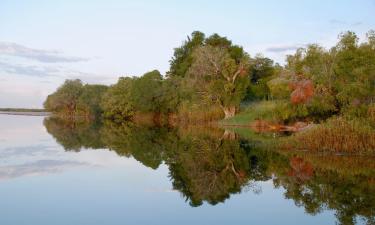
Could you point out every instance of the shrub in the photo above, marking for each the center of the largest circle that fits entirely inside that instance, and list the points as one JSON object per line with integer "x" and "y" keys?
{"x": 337, "y": 135}
{"x": 279, "y": 88}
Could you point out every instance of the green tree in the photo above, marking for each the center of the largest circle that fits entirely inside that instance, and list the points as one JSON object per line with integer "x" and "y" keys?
{"x": 65, "y": 99}
{"x": 182, "y": 56}
{"x": 90, "y": 99}
{"x": 219, "y": 78}
{"x": 117, "y": 103}
{"x": 146, "y": 92}
{"x": 262, "y": 69}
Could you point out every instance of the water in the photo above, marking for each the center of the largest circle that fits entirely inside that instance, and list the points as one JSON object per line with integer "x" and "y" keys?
{"x": 53, "y": 172}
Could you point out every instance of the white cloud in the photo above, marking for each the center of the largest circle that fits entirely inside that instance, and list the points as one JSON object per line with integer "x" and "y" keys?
{"x": 45, "y": 56}
{"x": 283, "y": 48}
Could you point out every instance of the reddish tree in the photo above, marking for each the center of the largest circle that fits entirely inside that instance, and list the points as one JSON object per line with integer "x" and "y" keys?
{"x": 302, "y": 91}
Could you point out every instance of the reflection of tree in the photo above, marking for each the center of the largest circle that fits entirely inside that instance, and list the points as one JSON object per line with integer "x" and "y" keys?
{"x": 207, "y": 169}
{"x": 73, "y": 135}
{"x": 145, "y": 144}
{"x": 208, "y": 165}
{"x": 349, "y": 195}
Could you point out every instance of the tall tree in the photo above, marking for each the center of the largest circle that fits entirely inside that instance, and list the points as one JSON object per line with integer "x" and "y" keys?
{"x": 117, "y": 103}
{"x": 219, "y": 77}
{"x": 65, "y": 99}
{"x": 182, "y": 56}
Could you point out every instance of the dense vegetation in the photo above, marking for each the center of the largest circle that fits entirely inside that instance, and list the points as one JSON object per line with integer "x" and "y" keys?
{"x": 210, "y": 73}
{"x": 210, "y": 78}
{"x": 74, "y": 99}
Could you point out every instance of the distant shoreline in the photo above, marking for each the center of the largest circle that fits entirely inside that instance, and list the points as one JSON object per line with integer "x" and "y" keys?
{"x": 25, "y": 113}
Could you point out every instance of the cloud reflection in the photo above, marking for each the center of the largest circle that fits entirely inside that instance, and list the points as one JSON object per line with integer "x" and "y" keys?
{"x": 40, "y": 167}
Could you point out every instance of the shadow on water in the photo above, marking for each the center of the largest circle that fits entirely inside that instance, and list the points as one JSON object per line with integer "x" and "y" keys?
{"x": 210, "y": 164}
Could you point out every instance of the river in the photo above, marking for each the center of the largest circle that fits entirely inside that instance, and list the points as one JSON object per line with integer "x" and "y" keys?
{"x": 56, "y": 172}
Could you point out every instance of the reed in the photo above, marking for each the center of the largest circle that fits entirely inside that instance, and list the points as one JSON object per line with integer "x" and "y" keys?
{"x": 197, "y": 114}
{"x": 337, "y": 135}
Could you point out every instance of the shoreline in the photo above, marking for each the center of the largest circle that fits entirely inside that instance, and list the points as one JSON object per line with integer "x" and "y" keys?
{"x": 25, "y": 113}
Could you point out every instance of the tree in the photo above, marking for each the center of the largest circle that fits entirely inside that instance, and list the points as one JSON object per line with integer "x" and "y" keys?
{"x": 182, "y": 56}
{"x": 146, "y": 92}
{"x": 261, "y": 71}
{"x": 65, "y": 99}
{"x": 117, "y": 103}
{"x": 90, "y": 99}
{"x": 219, "y": 77}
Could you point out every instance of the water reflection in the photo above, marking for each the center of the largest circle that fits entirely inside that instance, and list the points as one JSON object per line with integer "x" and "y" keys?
{"x": 210, "y": 164}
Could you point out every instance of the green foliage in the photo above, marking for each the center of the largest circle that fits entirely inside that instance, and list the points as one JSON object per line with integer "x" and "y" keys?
{"x": 259, "y": 110}
{"x": 171, "y": 95}
{"x": 182, "y": 56}
{"x": 116, "y": 102}
{"x": 219, "y": 78}
{"x": 212, "y": 72}
{"x": 337, "y": 135}
{"x": 73, "y": 99}
{"x": 322, "y": 105}
{"x": 279, "y": 88}
{"x": 343, "y": 76}
{"x": 65, "y": 98}
{"x": 90, "y": 99}
{"x": 261, "y": 68}
{"x": 146, "y": 92}
{"x": 261, "y": 71}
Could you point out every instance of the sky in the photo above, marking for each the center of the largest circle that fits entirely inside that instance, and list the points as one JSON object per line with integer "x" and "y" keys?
{"x": 44, "y": 42}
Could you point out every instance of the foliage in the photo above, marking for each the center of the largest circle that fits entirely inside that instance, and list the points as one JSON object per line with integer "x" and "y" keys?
{"x": 145, "y": 92}
{"x": 207, "y": 73}
{"x": 343, "y": 76}
{"x": 116, "y": 102}
{"x": 182, "y": 56}
{"x": 264, "y": 110}
{"x": 337, "y": 135}
{"x": 90, "y": 99}
{"x": 279, "y": 88}
{"x": 262, "y": 69}
{"x": 73, "y": 99}
{"x": 220, "y": 78}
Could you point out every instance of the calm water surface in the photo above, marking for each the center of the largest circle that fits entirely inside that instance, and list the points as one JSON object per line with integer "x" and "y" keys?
{"x": 54, "y": 172}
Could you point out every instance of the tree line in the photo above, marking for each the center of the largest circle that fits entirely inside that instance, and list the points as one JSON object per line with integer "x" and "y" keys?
{"x": 209, "y": 78}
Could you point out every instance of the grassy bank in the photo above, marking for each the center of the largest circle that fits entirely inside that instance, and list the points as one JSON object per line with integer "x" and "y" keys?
{"x": 337, "y": 135}
{"x": 265, "y": 110}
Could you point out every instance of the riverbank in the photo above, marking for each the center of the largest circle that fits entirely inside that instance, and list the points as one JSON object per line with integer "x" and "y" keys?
{"x": 339, "y": 134}
{"x": 25, "y": 113}
{"x": 258, "y": 110}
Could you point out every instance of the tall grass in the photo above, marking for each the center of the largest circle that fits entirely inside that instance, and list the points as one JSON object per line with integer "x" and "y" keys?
{"x": 198, "y": 114}
{"x": 337, "y": 135}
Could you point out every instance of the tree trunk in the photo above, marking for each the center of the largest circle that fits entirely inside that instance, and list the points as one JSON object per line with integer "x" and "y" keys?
{"x": 229, "y": 135}
{"x": 229, "y": 111}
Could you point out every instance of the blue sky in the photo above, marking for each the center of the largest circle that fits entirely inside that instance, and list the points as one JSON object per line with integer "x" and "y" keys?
{"x": 42, "y": 43}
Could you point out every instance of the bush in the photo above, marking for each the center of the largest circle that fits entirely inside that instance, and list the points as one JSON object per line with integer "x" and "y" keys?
{"x": 279, "y": 88}
{"x": 337, "y": 135}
